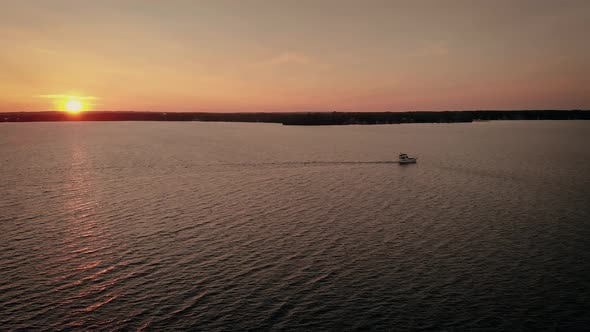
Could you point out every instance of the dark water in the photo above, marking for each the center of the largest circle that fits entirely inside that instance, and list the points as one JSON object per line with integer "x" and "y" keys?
{"x": 211, "y": 226}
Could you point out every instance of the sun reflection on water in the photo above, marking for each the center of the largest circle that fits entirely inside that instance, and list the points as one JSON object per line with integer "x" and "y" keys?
{"x": 88, "y": 256}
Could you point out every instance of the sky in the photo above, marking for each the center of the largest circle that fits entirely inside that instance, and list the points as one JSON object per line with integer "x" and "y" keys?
{"x": 299, "y": 55}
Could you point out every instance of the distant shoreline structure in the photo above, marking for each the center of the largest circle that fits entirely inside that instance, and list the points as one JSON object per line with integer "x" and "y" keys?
{"x": 304, "y": 118}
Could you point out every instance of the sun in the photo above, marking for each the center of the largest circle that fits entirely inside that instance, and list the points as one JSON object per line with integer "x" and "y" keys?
{"x": 71, "y": 103}
{"x": 73, "y": 106}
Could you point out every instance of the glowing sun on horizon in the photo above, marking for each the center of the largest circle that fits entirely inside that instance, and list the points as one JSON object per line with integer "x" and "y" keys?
{"x": 71, "y": 103}
{"x": 73, "y": 106}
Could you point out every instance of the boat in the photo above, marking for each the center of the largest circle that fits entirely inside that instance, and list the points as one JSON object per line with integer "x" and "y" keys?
{"x": 405, "y": 159}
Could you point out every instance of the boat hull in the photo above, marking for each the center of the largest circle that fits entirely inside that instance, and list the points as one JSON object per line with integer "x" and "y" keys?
{"x": 408, "y": 161}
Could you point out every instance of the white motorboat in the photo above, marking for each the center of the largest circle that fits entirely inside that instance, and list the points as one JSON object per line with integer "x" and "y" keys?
{"x": 405, "y": 159}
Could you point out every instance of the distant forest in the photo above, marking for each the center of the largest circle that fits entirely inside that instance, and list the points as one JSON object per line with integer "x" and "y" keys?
{"x": 304, "y": 119}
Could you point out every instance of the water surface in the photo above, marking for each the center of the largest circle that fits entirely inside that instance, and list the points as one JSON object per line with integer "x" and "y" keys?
{"x": 227, "y": 226}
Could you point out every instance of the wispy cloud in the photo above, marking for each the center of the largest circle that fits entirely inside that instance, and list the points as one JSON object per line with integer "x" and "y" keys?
{"x": 67, "y": 97}
{"x": 45, "y": 51}
{"x": 437, "y": 48}
{"x": 289, "y": 58}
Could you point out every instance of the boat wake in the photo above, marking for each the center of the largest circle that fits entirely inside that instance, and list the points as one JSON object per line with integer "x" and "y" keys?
{"x": 308, "y": 163}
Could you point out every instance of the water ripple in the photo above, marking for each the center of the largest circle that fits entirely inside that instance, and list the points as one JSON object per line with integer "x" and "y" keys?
{"x": 222, "y": 228}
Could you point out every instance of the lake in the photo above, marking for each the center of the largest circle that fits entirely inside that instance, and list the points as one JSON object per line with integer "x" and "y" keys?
{"x": 235, "y": 226}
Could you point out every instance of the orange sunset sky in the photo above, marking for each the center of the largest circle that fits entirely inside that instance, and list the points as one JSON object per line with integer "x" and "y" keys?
{"x": 281, "y": 55}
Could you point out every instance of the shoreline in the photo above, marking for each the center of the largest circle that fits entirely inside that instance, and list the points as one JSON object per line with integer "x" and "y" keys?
{"x": 303, "y": 118}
